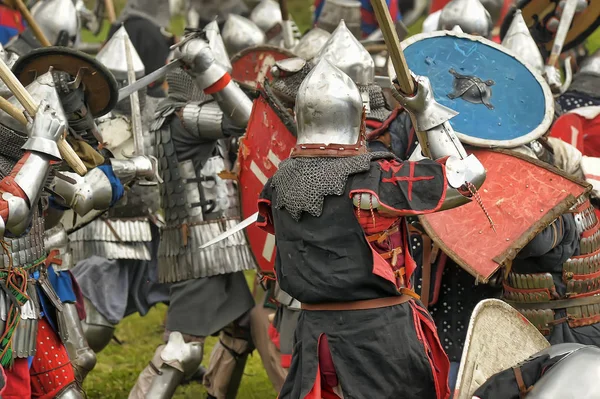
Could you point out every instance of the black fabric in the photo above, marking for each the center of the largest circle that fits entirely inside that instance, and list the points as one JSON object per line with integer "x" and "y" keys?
{"x": 376, "y": 354}
{"x": 503, "y": 385}
{"x": 202, "y": 307}
{"x": 403, "y": 139}
{"x": 149, "y": 42}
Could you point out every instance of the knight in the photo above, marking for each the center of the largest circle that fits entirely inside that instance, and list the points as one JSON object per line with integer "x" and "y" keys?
{"x": 298, "y": 204}
{"x": 240, "y": 33}
{"x": 267, "y": 16}
{"x": 121, "y": 248}
{"x": 470, "y": 15}
{"x": 359, "y": 15}
{"x": 208, "y": 291}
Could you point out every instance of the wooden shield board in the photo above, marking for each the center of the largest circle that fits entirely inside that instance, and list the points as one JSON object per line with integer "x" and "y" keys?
{"x": 267, "y": 142}
{"x": 252, "y": 65}
{"x": 522, "y": 196}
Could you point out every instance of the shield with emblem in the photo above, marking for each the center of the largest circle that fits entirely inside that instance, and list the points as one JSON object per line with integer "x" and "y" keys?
{"x": 267, "y": 142}
{"x": 521, "y": 195}
{"x": 252, "y": 65}
{"x": 498, "y": 338}
{"x": 501, "y": 101}
{"x": 542, "y": 18}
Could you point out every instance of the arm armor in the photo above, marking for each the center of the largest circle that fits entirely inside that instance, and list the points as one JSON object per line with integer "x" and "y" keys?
{"x": 92, "y": 191}
{"x": 235, "y": 104}
{"x": 438, "y": 140}
{"x": 138, "y": 167}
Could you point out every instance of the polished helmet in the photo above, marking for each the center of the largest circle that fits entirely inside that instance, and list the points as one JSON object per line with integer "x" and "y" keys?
{"x": 328, "y": 107}
{"x": 266, "y": 15}
{"x": 470, "y": 15}
{"x": 519, "y": 41}
{"x": 58, "y": 21}
{"x": 240, "y": 33}
{"x": 335, "y": 10}
{"x": 311, "y": 43}
{"x": 345, "y": 52}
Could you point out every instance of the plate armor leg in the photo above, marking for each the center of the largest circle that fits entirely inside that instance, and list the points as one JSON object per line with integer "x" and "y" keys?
{"x": 71, "y": 392}
{"x": 171, "y": 364}
{"x": 98, "y": 331}
{"x": 82, "y": 356}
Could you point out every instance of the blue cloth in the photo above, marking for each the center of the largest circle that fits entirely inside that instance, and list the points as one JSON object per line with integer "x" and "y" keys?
{"x": 117, "y": 187}
{"x": 453, "y": 375}
{"x": 63, "y": 286}
{"x": 7, "y": 33}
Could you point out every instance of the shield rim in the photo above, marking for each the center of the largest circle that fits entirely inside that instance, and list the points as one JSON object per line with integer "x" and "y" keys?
{"x": 100, "y": 104}
{"x": 511, "y": 252}
{"x": 536, "y": 133}
{"x": 260, "y": 47}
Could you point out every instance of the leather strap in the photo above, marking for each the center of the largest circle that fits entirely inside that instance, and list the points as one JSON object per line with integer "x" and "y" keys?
{"x": 360, "y": 305}
{"x": 557, "y": 304}
{"x": 426, "y": 274}
{"x": 329, "y": 150}
{"x": 523, "y": 390}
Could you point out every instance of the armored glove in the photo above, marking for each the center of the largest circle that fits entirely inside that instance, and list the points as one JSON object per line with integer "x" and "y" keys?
{"x": 198, "y": 56}
{"x": 45, "y": 131}
{"x": 138, "y": 167}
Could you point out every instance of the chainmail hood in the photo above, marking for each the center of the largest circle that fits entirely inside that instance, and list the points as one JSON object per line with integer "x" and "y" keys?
{"x": 182, "y": 87}
{"x": 303, "y": 183}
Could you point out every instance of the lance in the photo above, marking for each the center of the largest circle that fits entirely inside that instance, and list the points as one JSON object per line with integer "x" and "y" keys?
{"x": 19, "y": 5}
{"x": 30, "y": 106}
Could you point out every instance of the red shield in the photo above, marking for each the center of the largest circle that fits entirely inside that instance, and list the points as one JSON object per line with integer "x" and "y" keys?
{"x": 252, "y": 65}
{"x": 267, "y": 142}
{"x": 522, "y": 196}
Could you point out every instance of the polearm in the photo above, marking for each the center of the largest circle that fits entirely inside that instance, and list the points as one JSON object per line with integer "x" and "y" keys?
{"x": 30, "y": 106}
{"x": 405, "y": 80}
{"x": 566, "y": 20}
{"x": 110, "y": 11}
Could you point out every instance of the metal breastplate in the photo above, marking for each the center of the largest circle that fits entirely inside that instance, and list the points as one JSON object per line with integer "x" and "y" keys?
{"x": 581, "y": 275}
{"x": 195, "y": 202}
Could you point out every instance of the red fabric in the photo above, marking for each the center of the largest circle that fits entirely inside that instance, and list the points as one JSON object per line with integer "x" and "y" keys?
{"x": 582, "y": 133}
{"x": 11, "y": 18}
{"x": 51, "y": 369}
{"x": 286, "y": 361}
{"x": 427, "y": 334}
{"x": 265, "y": 221}
{"x": 18, "y": 383}
{"x": 274, "y": 336}
{"x": 383, "y": 128}
{"x": 219, "y": 85}
{"x": 320, "y": 389}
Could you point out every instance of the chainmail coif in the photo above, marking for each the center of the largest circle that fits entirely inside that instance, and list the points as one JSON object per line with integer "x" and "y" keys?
{"x": 303, "y": 183}
{"x": 182, "y": 87}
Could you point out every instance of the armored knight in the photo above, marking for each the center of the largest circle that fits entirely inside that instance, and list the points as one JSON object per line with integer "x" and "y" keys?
{"x": 57, "y": 19}
{"x": 369, "y": 244}
{"x": 208, "y": 290}
{"x": 311, "y": 43}
{"x": 470, "y": 15}
{"x": 267, "y": 16}
{"x": 121, "y": 249}
{"x": 207, "y": 10}
{"x": 240, "y": 33}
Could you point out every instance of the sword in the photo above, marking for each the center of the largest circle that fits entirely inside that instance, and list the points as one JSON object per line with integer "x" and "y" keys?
{"x": 238, "y": 227}
{"x": 150, "y": 78}
{"x": 563, "y": 29}
{"x": 136, "y": 115}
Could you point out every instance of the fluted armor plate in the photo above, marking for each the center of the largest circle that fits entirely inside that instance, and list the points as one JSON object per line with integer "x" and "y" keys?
{"x": 311, "y": 43}
{"x": 328, "y": 88}
{"x": 470, "y": 15}
{"x": 518, "y": 39}
{"x": 345, "y": 52}
{"x": 196, "y": 203}
{"x": 336, "y": 10}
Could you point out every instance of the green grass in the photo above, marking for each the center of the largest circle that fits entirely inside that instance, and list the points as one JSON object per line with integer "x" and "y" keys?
{"x": 119, "y": 365}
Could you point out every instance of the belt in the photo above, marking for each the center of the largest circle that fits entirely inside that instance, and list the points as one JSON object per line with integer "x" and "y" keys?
{"x": 557, "y": 304}
{"x": 359, "y": 305}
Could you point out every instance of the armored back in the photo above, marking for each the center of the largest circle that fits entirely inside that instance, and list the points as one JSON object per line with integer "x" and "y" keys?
{"x": 470, "y": 15}
{"x": 311, "y": 43}
{"x": 336, "y": 10}
{"x": 58, "y": 21}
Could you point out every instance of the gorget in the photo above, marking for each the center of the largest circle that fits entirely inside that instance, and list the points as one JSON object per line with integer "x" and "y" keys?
{"x": 303, "y": 183}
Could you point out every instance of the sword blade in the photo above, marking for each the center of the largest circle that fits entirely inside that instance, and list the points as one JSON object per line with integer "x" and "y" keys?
{"x": 146, "y": 80}
{"x": 238, "y": 227}
{"x": 136, "y": 114}
{"x": 563, "y": 29}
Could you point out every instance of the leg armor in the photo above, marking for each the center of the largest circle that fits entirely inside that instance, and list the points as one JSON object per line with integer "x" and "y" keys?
{"x": 82, "y": 356}
{"x": 227, "y": 361}
{"x": 98, "y": 331}
{"x": 170, "y": 365}
{"x": 71, "y": 392}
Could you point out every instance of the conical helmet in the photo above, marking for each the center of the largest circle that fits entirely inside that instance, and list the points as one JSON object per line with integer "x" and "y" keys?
{"x": 266, "y": 15}
{"x": 328, "y": 107}
{"x": 345, "y": 52}
{"x": 518, "y": 39}
{"x": 240, "y": 33}
{"x": 336, "y": 10}
{"x": 58, "y": 21}
{"x": 42, "y": 88}
{"x": 591, "y": 64}
{"x": 470, "y": 15}
{"x": 114, "y": 56}
{"x": 215, "y": 41}
{"x": 311, "y": 43}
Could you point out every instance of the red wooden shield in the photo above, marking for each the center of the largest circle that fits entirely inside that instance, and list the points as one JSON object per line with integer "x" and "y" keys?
{"x": 252, "y": 65}
{"x": 267, "y": 142}
{"x": 521, "y": 195}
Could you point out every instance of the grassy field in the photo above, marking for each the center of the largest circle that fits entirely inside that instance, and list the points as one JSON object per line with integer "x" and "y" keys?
{"x": 119, "y": 365}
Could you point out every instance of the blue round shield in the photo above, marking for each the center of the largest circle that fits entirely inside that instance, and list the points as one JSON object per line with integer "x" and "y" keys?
{"x": 501, "y": 102}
